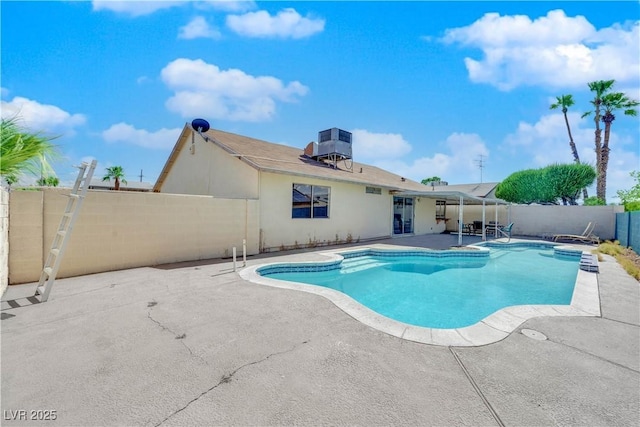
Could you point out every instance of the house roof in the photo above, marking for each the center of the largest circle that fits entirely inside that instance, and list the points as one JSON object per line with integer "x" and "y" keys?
{"x": 277, "y": 158}
{"x": 484, "y": 189}
{"x": 98, "y": 184}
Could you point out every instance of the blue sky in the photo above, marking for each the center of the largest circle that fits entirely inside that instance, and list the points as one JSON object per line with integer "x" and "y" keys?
{"x": 427, "y": 88}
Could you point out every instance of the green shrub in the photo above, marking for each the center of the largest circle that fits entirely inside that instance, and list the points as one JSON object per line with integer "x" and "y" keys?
{"x": 632, "y": 206}
{"x": 594, "y": 201}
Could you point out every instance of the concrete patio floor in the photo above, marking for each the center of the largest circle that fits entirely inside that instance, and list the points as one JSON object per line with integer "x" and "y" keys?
{"x": 194, "y": 344}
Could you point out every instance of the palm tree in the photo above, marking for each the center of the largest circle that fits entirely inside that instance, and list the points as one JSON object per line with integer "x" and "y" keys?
{"x": 612, "y": 102}
{"x": 600, "y": 88}
{"x": 23, "y": 151}
{"x": 117, "y": 174}
{"x": 49, "y": 181}
{"x": 566, "y": 101}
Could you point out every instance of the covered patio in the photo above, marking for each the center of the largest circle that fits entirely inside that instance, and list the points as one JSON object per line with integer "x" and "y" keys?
{"x": 458, "y": 198}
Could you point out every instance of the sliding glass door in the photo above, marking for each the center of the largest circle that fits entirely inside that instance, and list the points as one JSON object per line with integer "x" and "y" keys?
{"x": 402, "y": 215}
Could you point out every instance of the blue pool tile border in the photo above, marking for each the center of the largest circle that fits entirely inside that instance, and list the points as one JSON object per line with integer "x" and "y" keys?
{"x": 558, "y": 249}
{"x": 316, "y": 267}
{"x": 480, "y": 250}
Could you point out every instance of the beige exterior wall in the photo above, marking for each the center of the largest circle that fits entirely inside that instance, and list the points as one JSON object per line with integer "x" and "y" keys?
{"x": 118, "y": 230}
{"x": 474, "y": 213}
{"x": 425, "y": 217}
{"x": 353, "y": 214}
{"x": 537, "y": 220}
{"x": 25, "y": 235}
{"x": 4, "y": 239}
{"x": 210, "y": 170}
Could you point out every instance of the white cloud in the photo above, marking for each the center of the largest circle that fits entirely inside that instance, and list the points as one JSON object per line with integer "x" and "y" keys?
{"x": 456, "y": 165}
{"x": 134, "y": 8}
{"x": 286, "y": 24}
{"x": 553, "y": 50}
{"x": 203, "y": 89}
{"x": 41, "y": 117}
{"x": 123, "y": 132}
{"x": 547, "y": 141}
{"x": 368, "y": 145}
{"x": 227, "y": 5}
{"x": 199, "y": 28}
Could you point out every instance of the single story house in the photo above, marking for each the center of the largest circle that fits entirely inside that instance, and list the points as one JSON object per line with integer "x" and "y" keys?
{"x": 485, "y": 190}
{"x": 99, "y": 184}
{"x": 307, "y": 196}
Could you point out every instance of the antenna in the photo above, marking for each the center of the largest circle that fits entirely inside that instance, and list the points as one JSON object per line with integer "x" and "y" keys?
{"x": 140, "y": 175}
{"x": 481, "y": 165}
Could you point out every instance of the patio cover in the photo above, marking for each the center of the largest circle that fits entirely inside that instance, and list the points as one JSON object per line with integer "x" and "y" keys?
{"x": 458, "y": 198}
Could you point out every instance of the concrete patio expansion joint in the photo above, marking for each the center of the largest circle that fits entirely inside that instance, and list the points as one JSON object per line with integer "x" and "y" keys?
{"x": 594, "y": 355}
{"x": 227, "y": 378}
{"x": 475, "y": 386}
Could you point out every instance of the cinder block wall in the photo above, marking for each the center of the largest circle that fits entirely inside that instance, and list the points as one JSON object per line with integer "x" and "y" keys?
{"x": 538, "y": 220}
{"x": 118, "y": 230}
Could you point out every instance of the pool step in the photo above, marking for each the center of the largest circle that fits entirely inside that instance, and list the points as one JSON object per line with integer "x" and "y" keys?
{"x": 589, "y": 262}
{"x": 360, "y": 264}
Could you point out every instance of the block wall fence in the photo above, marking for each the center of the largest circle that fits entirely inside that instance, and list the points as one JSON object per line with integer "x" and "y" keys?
{"x": 119, "y": 230}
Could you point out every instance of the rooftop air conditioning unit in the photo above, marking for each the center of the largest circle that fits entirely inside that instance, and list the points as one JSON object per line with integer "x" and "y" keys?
{"x": 334, "y": 144}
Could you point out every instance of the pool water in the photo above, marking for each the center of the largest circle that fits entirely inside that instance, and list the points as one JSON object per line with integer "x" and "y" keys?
{"x": 449, "y": 292}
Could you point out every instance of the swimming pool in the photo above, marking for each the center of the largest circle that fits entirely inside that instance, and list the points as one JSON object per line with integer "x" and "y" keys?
{"x": 414, "y": 299}
{"x": 452, "y": 292}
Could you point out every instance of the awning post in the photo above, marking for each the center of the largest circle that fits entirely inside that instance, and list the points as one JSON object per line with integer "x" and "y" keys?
{"x": 484, "y": 214}
{"x": 460, "y": 225}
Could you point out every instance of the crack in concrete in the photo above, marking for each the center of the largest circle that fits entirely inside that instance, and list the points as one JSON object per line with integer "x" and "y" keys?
{"x": 227, "y": 378}
{"x": 179, "y": 337}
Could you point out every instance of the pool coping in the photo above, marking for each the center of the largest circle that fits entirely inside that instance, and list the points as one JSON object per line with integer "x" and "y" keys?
{"x": 585, "y": 301}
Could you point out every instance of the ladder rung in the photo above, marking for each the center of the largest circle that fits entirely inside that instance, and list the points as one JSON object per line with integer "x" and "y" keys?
{"x": 50, "y": 270}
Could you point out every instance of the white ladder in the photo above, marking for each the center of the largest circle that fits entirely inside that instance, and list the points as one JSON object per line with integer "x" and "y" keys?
{"x": 54, "y": 258}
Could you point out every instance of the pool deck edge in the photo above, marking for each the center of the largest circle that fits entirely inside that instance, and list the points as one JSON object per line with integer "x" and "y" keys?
{"x": 496, "y": 327}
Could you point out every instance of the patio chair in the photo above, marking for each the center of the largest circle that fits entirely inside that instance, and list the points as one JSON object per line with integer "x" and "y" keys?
{"x": 468, "y": 229}
{"x": 587, "y": 235}
{"x": 506, "y": 231}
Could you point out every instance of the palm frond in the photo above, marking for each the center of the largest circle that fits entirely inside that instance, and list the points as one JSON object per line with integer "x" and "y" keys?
{"x": 23, "y": 151}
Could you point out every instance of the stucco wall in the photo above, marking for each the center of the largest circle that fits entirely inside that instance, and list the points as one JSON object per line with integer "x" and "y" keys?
{"x": 4, "y": 239}
{"x": 117, "y": 230}
{"x": 537, "y": 220}
{"x": 353, "y": 214}
{"x": 425, "y": 217}
{"x": 209, "y": 170}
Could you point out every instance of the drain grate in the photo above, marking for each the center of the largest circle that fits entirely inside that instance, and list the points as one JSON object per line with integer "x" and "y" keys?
{"x": 538, "y": 336}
